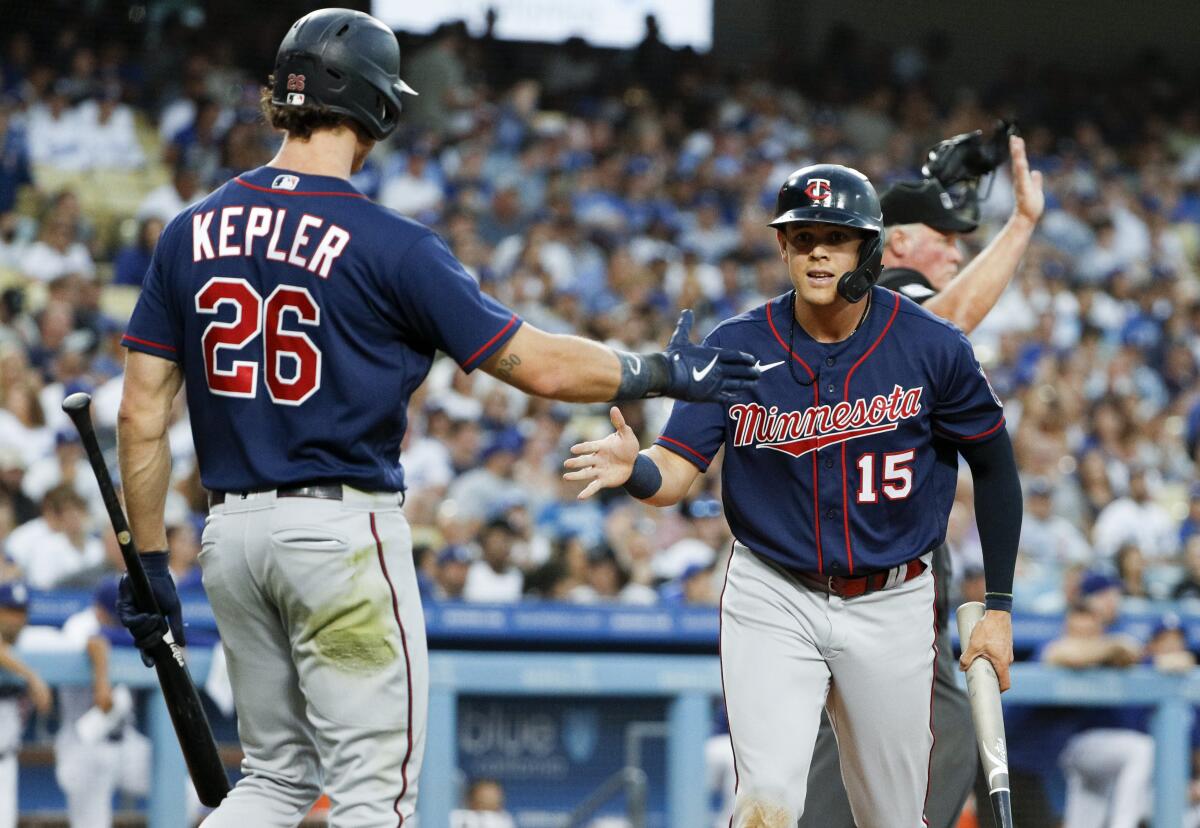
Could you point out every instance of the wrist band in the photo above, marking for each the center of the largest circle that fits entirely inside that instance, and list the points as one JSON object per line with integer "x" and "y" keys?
{"x": 645, "y": 480}
{"x": 642, "y": 375}
{"x": 998, "y": 601}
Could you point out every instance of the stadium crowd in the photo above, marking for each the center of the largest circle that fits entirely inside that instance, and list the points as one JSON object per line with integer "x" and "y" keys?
{"x": 604, "y": 200}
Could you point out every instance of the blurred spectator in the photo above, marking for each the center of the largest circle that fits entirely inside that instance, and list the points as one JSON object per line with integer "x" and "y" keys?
{"x": 1046, "y": 537}
{"x": 133, "y": 261}
{"x": 56, "y": 137}
{"x": 57, "y": 548}
{"x": 110, "y": 141}
{"x": 57, "y": 253}
{"x": 1189, "y": 587}
{"x": 1136, "y": 518}
{"x": 453, "y": 564}
{"x": 1108, "y": 763}
{"x": 437, "y": 72}
{"x": 479, "y": 491}
{"x": 14, "y": 163}
{"x": 483, "y": 807}
{"x": 165, "y": 202}
{"x": 1131, "y": 569}
{"x": 705, "y": 532}
{"x": 14, "y": 613}
{"x": 1167, "y": 650}
{"x": 97, "y": 750}
{"x": 494, "y": 577}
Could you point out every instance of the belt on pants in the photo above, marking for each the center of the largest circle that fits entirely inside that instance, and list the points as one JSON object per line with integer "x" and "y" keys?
{"x": 331, "y": 491}
{"x": 854, "y": 587}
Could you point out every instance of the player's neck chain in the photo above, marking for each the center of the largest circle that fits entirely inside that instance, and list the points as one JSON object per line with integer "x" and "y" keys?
{"x": 792, "y": 334}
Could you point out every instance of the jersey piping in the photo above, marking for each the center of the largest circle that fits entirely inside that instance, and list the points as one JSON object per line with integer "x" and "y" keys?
{"x": 846, "y": 396}
{"x": 263, "y": 189}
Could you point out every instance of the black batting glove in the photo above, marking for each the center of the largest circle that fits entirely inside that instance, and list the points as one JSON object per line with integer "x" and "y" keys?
{"x": 701, "y": 373}
{"x": 148, "y": 628}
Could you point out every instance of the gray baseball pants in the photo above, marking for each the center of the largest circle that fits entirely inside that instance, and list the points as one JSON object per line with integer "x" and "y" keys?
{"x": 317, "y": 606}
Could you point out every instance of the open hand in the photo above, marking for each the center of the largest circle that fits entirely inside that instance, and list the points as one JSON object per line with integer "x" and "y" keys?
{"x": 1027, "y": 186}
{"x": 992, "y": 639}
{"x": 605, "y": 463}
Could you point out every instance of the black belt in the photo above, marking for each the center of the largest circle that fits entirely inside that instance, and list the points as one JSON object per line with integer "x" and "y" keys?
{"x": 324, "y": 492}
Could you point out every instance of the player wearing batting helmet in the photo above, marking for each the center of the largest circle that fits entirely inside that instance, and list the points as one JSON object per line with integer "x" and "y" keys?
{"x": 837, "y": 479}
{"x": 921, "y": 259}
{"x": 303, "y": 317}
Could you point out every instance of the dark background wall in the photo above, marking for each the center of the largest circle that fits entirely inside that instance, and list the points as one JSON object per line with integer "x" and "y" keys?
{"x": 982, "y": 35}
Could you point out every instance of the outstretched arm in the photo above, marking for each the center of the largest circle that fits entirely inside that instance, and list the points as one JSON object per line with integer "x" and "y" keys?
{"x": 574, "y": 369}
{"x": 609, "y": 463}
{"x": 971, "y": 295}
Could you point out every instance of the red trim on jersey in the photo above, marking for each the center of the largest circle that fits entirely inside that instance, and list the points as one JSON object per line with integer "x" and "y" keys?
{"x": 816, "y": 401}
{"x": 816, "y": 489}
{"x": 978, "y": 436}
{"x": 263, "y": 189}
{"x": 686, "y": 448}
{"x": 407, "y": 670}
{"x": 721, "y": 665}
{"x": 786, "y": 346}
{"x": 846, "y": 397}
{"x": 491, "y": 341}
{"x": 132, "y": 338}
{"x": 932, "y": 685}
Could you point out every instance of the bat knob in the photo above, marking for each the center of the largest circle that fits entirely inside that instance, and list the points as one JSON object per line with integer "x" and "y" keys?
{"x": 78, "y": 401}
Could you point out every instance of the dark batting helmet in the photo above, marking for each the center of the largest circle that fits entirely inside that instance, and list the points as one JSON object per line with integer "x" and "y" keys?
{"x": 833, "y": 194}
{"x": 345, "y": 61}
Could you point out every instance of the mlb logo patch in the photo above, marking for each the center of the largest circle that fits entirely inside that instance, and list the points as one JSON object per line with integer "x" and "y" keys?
{"x": 285, "y": 182}
{"x": 295, "y": 98}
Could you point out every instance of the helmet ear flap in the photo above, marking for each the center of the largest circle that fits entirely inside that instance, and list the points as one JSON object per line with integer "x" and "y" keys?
{"x": 857, "y": 283}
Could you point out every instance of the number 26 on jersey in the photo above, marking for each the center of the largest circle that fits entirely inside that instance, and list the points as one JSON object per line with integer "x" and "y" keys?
{"x": 291, "y": 362}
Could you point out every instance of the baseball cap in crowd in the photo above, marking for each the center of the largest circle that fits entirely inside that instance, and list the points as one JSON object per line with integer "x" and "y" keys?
{"x": 1040, "y": 486}
{"x": 14, "y": 595}
{"x": 106, "y": 593}
{"x": 1169, "y": 622}
{"x": 702, "y": 507}
{"x": 509, "y": 440}
{"x": 66, "y": 436}
{"x": 454, "y": 553}
{"x": 925, "y": 202}
{"x": 1097, "y": 581}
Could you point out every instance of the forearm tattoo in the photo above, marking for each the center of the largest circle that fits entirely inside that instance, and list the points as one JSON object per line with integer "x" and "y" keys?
{"x": 504, "y": 370}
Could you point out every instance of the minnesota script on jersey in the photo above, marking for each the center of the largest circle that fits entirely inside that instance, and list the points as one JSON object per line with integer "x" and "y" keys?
{"x": 829, "y": 463}
{"x": 306, "y": 315}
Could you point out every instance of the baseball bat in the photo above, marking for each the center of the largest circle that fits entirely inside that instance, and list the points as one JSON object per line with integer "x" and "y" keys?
{"x": 183, "y": 702}
{"x": 983, "y": 687}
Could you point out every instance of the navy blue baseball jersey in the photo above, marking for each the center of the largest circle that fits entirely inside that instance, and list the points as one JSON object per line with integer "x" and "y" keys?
{"x": 304, "y": 316}
{"x": 831, "y": 465}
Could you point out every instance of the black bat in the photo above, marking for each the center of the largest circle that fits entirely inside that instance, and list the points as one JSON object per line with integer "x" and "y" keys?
{"x": 183, "y": 702}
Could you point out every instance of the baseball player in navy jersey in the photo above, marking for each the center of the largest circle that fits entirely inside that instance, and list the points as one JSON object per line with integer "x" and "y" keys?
{"x": 836, "y": 492}
{"x": 921, "y": 259}
{"x": 302, "y": 317}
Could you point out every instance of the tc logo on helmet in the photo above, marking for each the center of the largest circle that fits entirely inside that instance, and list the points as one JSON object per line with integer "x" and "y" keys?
{"x": 819, "y": 191}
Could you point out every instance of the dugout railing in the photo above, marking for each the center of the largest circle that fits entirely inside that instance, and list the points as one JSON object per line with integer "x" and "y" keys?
{"x": 689, "y": 683}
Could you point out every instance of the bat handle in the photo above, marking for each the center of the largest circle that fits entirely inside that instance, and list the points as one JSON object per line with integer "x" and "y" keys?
{"x": 1002, "y": 808}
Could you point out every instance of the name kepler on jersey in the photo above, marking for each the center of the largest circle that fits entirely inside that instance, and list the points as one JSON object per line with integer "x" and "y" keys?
{"x": 236, "y": 236}
{"x": 799, "y": 432}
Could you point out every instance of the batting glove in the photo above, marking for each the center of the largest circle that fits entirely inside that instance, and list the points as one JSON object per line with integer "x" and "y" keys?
{"x": 148, "y": 628}
{"x": 701, "y": 373}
